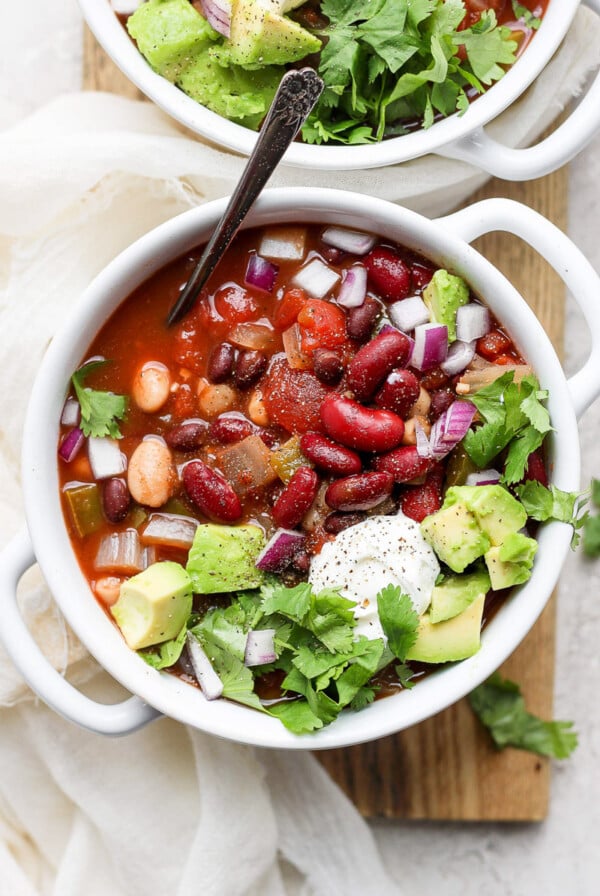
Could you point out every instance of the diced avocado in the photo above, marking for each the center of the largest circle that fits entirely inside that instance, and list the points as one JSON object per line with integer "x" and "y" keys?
{"x": 233, "y": 92}
{"x": 169, "y": 34}
{"x": 511, "y": 563}
{"x": 154, "y": 605}
{"x": 260, "y": 34}
{"x": 454, "y": 534}
{"x": 498, "y": 513}
{"x": 443, "y": 295}
{"x": 222, "y": 558}
{"x": 456, "y": 593}
{"x": 454, "y": 639}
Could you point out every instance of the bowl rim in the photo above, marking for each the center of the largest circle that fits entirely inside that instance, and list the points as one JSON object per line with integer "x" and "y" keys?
{"x": 107, "y": 29}
{"x": 57, "y": 560}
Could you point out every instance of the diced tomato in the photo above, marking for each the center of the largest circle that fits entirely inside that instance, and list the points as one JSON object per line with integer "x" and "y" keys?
{"x": 419, "y": 501}
{"x": 293, "y": 398}
{"x": 502, "y": 360}
{"x": 235, "y": 304}
{"x": 288, "y": 309}
{"x": 492, "y": 344}
{"x": 322, "y": 325}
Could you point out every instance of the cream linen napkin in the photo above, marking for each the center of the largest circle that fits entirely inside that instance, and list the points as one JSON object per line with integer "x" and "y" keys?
{"x": 167, "y": 809}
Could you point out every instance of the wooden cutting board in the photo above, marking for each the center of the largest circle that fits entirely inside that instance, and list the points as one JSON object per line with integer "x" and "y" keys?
{"x": 446, "y": 767}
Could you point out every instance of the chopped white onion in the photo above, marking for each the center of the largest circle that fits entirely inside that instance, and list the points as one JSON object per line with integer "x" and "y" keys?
{"x": 483, "y": 477}
{"x": 431, "y": 346}
{"x": 283, "y": 243}
{"x": 409, "y": 313}
{"x": 459, "y": 355}
{"x": 125, "y": 7}
{"x": 260, "y": 647}
{"x": 209, "y": 681}
{"x": 171, "y": 529}
{"x": 354, "y": 241}
{"x": 472, "y": 322}
{"x": 316, "y": 278}
{"x": 423, "y": 446}
{"x": 71, "y": 414}
{"x": 106, "y": 458}
{"x": 121, "y": 552}
{"x": 354, "y": 287}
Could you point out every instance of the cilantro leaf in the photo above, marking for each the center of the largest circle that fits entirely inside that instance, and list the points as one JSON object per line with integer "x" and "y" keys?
{"x": 362, "y": 698}
{"x": 591, "y": 536}
{"x": 595, "y": 492}
{"x": 99, "y": 410}
{"x": 521, "y": 13}
{"x": 297, "y": 716}
{"x": 166, "y": 654}
{"x": 500, "y": 707}
{"x": 405, "y": 675}
{"x": 552, "y": 503}
{"x": 488, "y": 48}
{"x": 399, "y": 620}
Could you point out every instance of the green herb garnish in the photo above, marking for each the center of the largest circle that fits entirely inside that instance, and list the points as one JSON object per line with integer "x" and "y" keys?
{"x": 522, "y": 14}
{"x": 552, "y": 503}
{"x": 399, "y": 620}
{"x": 499, "y": 705}
{"x": 591, "y": 525}
{"x": 99, "y": 410}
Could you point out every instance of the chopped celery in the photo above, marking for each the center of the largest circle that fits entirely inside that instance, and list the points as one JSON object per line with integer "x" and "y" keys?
{"x": 85, "y": 507}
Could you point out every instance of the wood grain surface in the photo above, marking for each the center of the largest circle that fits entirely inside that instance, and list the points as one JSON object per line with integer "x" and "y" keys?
{"x": 446, "y": 767}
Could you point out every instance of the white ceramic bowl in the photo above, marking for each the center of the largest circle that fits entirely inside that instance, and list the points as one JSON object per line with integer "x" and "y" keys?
{"x": 445, "y": 241}
{"x": 458, "y": 137}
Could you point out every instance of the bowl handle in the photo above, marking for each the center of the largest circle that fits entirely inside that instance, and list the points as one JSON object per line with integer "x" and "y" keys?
{"x": 482, "y": 151}
{"x": 40, "y": 675}
{"x": 568, "y": 261}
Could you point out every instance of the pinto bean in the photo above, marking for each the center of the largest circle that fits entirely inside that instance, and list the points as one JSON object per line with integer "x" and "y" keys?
{"x": 220, "y": 363}
{"x": 398, "y": 393}
{"x": 421, "y": 406}
{"x": 296, "y": 498}
{"x": 187, "y": 436}
{"x": 410, "y": 429}
{"x": 257, "y": 410}
{"x": 404, "y": 464}
{"x": 374, "y": 361}
{"x": 107, "y": 589}
{"x": 360, "y": 321}
{"x": 360, "y": 492}
{"x": 151, "y": 475}
{"x": 151, "y": 386}
{"x": 215, "y": 400}
{"x": 211, "y": 492}
{"x": 115, "y": 500}
{"x": 364, "y": 429}
{"x": 328, "y": 456}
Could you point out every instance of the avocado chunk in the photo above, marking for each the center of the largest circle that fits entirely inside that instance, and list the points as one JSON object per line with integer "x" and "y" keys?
{"x": 230, "y": 91}
{"x": 455, "y": 639}
{"x": 455, "y": 536}
{"x": 261, "y": 35}
{"x": 456, "y": 593}
{"x": 498, "y": 513}
{"x": 443, "y": 295}
{"x": 169, "y": 34}
{"x": 222, "y": 558}
{"x": 153, "y": 605}
{"x": 511, "y": 562}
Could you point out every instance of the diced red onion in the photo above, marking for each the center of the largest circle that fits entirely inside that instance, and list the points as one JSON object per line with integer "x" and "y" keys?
{"x": 121, "y": 552}
{"x": 409, "y": 313}
{"x": 450, "y": 428}
{"x": 260, "y": 647}
{"x": 210, "y": 683}
{"x": 261, "y": 273}
{"x": 472, "y": 322}
{"x": 483, "y": 477}
{"x": 218, "y": 14}
{"x": 284, "y": 243}
{"x": 125, "y": 7}
{"x": 170, "y": 529}
{"x": 459, "y": 355}
{"x": 423, "y": 446}
{"x": 71, "y": 445}
{"x": 431, "y": 346}
{"x": 316, "y": 278}
{"x": 106, "y": 458}
{"x": 71, "y": 414}
{"x": 280, "y": 550}
{"x": 354, "y": 288}
{"x": 349, "y": 240}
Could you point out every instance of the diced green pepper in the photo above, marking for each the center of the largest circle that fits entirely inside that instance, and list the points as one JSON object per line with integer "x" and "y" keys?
{"x": 137, "y": 516}
{"x": 458, "y": 468}
{"x": 85, "y": 508}
{"x": 287, "y": 459}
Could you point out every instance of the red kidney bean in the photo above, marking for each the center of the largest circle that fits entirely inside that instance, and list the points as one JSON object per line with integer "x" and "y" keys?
{"x": 327, "y": 366}
{"x": 441, "y": 400}
{"x": 220, "y": 363}
{"x": 419, "y": 501}
{"x": 328, "y": 456}
{"x": 211, "y": 492}
{"x": 372, "y": 363}
{"x": 230, "y": 428}
{"x": 389, "y": 275}
{"x": 360, "y": 321}
{"x": 404, "y": 464}
{"x": 434, "y": 379}
{"x": 399, "y": 392}
{"x": 331, "y": 254}
{"x": 420, "y": 275}
{"x": 337, "y": 521}
{"x": 249, "y": 368}
{"x": 348, "y": 422}
{"x": 187, "y": 436}
{"x": 301, "y": 561}
{"x": 115, "y": 500}
{"x": 295, "y": 500}
{"x": 536, "y": 468}
{"x": 359, "y": 492}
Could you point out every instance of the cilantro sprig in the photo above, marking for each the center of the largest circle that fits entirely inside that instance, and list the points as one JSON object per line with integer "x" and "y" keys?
{"x": 99, "y": 410}
{"x": 515, "y": 419}
{"x": 522, "y": 14}
{"x": 591, "y": 525}
{"x": 552, "y": 503}
{"x": 392, "y": 61}
{"x": 500, "y": 707}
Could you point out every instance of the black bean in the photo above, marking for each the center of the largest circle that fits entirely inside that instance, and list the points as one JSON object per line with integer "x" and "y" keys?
{"x": 220, "y": 363}
{"x": 115, "y": 500}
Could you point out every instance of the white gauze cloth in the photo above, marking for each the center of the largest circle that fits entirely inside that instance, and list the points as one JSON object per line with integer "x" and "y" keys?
{"x": 167, "y": 810}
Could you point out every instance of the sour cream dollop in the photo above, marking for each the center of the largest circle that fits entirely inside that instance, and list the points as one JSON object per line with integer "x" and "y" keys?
{"x": 383, "y": 550}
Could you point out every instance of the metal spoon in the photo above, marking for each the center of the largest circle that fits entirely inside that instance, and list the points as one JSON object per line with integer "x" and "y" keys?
{"x": 296, "y": 96}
